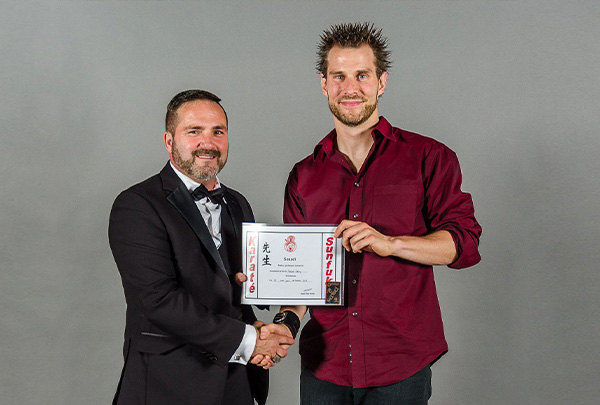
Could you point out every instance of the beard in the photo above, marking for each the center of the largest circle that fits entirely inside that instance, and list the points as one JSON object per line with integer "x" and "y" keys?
{"x": 198, "y": 173}
{"x": 353, "y": 120}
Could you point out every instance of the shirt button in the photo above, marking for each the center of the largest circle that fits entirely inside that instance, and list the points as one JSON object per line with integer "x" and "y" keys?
{"x": 354, "y": 313}
{"x": 356, "y": 184}
{"x": 354, "y": 281}
{"x": 355, "y": 216}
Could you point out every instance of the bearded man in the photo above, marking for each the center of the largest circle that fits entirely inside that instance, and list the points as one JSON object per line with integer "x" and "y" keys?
{"x": 397, "y": 198}
{"x": 176, "y": 240}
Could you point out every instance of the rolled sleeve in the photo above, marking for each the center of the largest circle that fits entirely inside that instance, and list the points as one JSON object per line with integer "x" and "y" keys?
{"x": 449, "y": 208}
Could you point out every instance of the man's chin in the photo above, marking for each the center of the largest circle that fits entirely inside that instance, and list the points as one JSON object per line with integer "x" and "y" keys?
{"x": 352, "y": 121}
{"x": 205, "y": 176}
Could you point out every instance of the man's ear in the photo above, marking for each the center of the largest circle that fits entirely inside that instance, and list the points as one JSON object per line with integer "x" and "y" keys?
{"x": 323, "y": 84}
{"x": 168, "y": 141}
{"x": 382, "y": 83}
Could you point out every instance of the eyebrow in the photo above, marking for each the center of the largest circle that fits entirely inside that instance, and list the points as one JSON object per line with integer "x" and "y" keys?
{"x": 201, "y": 127}
{"x": 358, "y": 72}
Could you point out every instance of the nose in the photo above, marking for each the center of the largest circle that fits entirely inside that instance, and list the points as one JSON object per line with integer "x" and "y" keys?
{"x": 350, "y": 87}
{"x": 206, "y": 139}
{"x": 205, "y": 143}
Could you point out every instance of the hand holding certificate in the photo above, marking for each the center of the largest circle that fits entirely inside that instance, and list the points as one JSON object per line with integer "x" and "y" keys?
{"x": 292, "y": 265}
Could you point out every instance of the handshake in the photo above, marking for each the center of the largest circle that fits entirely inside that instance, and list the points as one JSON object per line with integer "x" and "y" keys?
{"x": 272, "y": 343}
{"x": 272, "y": 340}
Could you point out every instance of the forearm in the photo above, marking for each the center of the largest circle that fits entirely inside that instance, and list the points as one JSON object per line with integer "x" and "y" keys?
{"x": 299, "y": 310}
{"x": 291, "y": 317}
{"x": 435, "y": 249}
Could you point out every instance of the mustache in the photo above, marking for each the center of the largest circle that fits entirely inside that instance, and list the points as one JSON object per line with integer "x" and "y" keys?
{"x": 350, "y": 98}
{"x": 211, "y": 152}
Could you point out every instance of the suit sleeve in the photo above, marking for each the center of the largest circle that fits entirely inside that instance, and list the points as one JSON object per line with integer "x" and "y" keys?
{"x": 448, "y": 207}
{"x": 143, "y": 252}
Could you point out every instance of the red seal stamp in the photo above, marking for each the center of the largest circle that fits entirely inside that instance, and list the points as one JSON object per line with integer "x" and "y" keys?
{"x": 290, "y": 244}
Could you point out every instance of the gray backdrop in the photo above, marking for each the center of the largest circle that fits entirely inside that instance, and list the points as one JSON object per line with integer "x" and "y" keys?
{"x": 512, "y": 86}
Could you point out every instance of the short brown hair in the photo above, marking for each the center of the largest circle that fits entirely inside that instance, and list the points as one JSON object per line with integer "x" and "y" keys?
{"x": 354, "y": 35}
{"x": 184, "y": 97}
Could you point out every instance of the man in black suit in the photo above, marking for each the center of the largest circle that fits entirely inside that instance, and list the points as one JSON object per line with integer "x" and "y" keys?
{"x": 176, "y": 240}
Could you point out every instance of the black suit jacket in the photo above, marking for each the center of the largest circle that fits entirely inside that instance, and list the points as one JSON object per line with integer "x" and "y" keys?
{"x": 180, "y": 333}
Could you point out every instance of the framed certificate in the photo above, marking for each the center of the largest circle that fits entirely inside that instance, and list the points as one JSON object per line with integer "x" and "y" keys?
{"x": 292, "y": 265}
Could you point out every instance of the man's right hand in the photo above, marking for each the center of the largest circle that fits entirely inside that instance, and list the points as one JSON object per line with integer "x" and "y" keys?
{"x": 271, "y": 340}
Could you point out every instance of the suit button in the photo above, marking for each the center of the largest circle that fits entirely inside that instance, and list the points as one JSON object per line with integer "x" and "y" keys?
{"x": 355, "y": 216}
{"x": 354, "y": 281}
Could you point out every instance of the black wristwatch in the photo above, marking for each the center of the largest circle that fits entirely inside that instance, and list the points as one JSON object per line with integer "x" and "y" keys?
{"x": 289, "y": 319}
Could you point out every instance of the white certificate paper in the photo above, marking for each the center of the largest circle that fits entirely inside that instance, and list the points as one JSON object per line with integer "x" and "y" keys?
{"x": 292, "y": 265}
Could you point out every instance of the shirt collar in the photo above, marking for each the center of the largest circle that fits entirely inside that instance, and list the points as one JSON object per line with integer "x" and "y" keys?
{"x": 383, "y": 127}
{"x": 190, "y": 184}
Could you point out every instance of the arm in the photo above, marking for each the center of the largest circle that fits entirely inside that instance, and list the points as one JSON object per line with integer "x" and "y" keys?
{"x": 434, "y": 249}
{"x": 146, "y": 247}
{"x": 453, "y": 238}
{"x": 285, "y": 327}
{"x": 293, "y": 214}
{"x": 448, "y": 208}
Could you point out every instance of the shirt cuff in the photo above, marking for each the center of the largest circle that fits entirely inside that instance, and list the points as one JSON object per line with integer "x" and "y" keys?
{"x": 244, "y": 351}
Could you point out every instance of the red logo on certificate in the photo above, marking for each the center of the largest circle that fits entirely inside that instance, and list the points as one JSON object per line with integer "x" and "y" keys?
{"x": 290, "y": 244}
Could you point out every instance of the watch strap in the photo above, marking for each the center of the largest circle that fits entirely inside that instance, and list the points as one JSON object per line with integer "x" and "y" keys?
{"x": 289, "y": 319}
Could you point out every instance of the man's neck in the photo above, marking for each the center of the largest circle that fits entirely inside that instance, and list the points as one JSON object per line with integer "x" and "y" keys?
{"x": 192, "y": 183}
{"x": 355, "y": 142}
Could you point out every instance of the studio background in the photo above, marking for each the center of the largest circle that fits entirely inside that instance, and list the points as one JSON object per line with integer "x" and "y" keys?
{"x": 512, "y": 86}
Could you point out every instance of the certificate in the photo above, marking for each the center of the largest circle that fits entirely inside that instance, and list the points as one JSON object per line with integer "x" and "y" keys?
{"x": 292, "y": 265}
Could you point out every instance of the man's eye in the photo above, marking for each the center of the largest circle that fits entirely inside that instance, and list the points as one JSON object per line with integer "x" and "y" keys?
{"x": 363, "y": 76}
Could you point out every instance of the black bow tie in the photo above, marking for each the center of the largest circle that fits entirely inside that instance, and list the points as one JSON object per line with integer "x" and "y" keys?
{"x": 215, "y": 196}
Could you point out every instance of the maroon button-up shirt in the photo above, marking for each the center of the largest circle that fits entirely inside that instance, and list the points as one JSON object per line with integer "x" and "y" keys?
{"x": 391, "y": 326}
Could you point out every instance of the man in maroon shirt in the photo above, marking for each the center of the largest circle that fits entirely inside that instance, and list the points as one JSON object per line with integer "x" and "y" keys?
{"x": 397, "y": 198}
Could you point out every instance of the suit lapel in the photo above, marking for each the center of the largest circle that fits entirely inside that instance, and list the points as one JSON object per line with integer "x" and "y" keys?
{"x": 235, "y": 211}
{"x": 183, "y": 201}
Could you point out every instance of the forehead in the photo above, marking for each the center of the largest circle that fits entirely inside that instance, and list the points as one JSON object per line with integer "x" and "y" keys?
{"x": 350, "y": 59}
{"x": 201, "y": 113}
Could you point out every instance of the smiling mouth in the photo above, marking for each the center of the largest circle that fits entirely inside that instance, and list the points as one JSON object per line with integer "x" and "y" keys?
{"x": 352, "y": 102}
{"x": 207, "y": 154}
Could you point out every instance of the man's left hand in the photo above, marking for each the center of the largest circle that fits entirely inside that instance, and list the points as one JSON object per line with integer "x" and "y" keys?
{"x": 240, "y": 278}
{"x": 360, "y": 236}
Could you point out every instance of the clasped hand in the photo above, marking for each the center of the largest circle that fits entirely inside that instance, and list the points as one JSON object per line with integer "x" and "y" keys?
{"x": 271, "y": 340}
